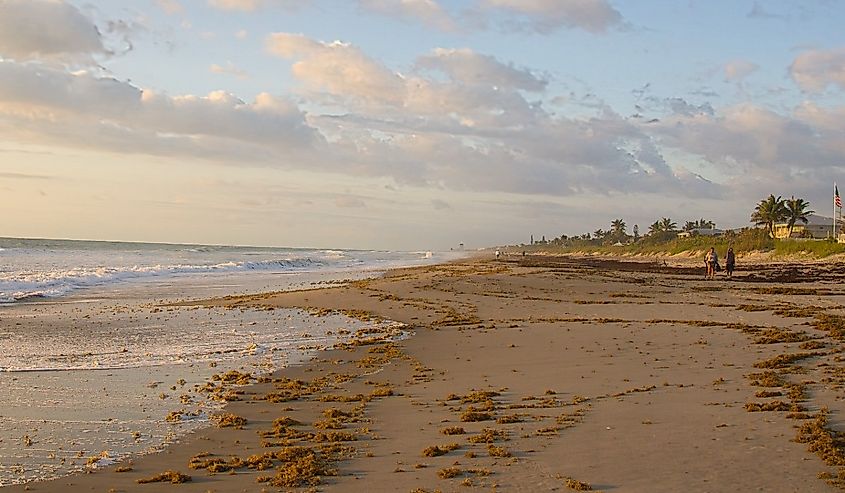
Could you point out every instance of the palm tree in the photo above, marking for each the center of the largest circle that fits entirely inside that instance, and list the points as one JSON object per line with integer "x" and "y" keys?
{"x": 768, "y": 212}
{"x": 667, "y": 225}
{"x": 598, "y": 234}
{"x": 617, "y": 226}
{"x": 705, "y": 224}
{"x": 689, "y": 225}
{"x": 654, "y": 228}
{"x": 796, "y": 210}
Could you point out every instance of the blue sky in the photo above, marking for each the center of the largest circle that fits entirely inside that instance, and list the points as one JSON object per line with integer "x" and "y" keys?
{"x": 410, "y": 123}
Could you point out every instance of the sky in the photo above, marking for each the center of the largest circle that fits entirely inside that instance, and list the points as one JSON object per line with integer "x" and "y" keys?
{"x": 411, "y": 124}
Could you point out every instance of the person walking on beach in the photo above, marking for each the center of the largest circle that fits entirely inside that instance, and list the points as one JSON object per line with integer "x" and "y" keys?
{"x": 730, "y": 262}
{"x": 497, "y": 254}
{"x": 711, "y": 259}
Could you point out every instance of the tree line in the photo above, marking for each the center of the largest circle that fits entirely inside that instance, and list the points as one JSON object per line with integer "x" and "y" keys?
{"x": 768, "y": 212}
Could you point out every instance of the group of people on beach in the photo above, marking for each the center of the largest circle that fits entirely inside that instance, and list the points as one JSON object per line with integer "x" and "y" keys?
{"x": 712, "y": 266}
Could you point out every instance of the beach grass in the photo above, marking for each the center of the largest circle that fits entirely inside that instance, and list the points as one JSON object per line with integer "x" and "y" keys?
{"x": 748, "y": 241}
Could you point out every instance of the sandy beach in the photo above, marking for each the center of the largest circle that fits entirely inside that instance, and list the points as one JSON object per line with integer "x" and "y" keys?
{"x": 534, "y": 374}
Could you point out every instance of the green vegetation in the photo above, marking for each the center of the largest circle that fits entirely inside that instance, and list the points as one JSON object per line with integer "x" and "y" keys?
{"x": 662, "y": 236}
{"x": 745, "y": 241}
{"x": 768, "y": 212}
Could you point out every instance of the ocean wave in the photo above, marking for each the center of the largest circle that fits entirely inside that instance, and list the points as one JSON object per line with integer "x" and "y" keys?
{"x": 22, "y": 286}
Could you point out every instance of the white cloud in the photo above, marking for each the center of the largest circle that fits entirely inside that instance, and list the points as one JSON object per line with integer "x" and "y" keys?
{"x": 46, "y": 29}
{"x": 595, "y": 16}
{"x": 80, "y": 109}
{"x": 171, "y": 7}
{"x": 814, "y": 70}
{"x": 253, "y": 5}
{"x": 228, "y": 69}
{"x": 468, "y": 67}
{"x": 429, "y": 12}
{"x": 243, "y": 5}
{"x": 473, "y": 131}
{"x": 746, "y": 140}
{"x": 737, "y": 70}
{"x": 460, "y": 121}
{"x": 339, "y": 69}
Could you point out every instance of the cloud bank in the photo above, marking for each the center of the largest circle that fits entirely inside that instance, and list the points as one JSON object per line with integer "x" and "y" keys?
{"x": 452, "y": 119}
{"x": 39, "y": 29}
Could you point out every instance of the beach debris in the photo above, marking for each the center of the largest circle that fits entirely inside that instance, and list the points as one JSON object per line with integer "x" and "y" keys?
{"x": 489, "y": 435}
{"x": 233, "y": 377}
{"x": 450, "y": 472}
{"x": 776, "y": 405}
{"x": 777, "y": 335}
{"x": 173, "y": 477}
{"x": 335, "y": 436}
{"x": 766, "y": 379}
{"x": 437, "y": 450}
{"x": 495, "y": 451}
{"x": 101, "y": 460}
{"x": 832, "y": 324}
{"x": 574, "y": 484}
{"x": 229, "y": 420}
{"x": 784, "y": 360}
{"x": 301, "y": 466}
{"x": 472, "y": 415}
{"x": 822, "y": 440}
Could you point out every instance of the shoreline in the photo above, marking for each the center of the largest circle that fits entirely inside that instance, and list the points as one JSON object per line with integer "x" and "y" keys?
{"x": 559, "y": 373}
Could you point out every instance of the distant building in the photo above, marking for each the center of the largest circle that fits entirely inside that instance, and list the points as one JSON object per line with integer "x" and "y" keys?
{"x": 701, "y": 232}
{"x": 818, "y": 227}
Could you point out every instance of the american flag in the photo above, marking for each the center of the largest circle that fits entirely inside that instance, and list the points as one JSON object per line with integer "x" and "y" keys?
{"x": 836, "y": 199}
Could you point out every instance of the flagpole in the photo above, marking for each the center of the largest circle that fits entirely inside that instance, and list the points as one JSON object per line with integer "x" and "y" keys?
{"x": 834, "y": 211}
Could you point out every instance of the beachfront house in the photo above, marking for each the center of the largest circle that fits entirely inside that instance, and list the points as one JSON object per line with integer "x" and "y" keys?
{"x": 817, "y": 227}
{"x": 701, "y": 232}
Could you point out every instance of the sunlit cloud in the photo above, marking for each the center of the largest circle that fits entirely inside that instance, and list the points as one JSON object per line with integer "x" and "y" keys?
{"x": 737, "y": 70}
{"x": 428, "y": 12}
{"x": 815, "y": 70}
{"x": 596, "y": 16}
{"x": 171, "y": 7}
{"x": 253, "y": 5}
{"x": 228, "y": 69}
{"x": 43, "y": 104}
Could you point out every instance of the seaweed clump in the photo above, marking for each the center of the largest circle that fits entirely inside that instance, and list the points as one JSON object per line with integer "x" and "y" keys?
{"x": 825, "y": 442}
{"x": 472, "y": 415}
{"x": 301, "y": 466}
{"x": 783, "y": 360}
{"x": 229, "y": 420}
{"x": 436, "y": 450}
{"x": 574, "y": 484}
{"x": 174, "y": 477}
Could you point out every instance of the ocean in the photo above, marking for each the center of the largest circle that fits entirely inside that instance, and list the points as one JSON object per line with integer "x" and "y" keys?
{"x": 93, "y": 356}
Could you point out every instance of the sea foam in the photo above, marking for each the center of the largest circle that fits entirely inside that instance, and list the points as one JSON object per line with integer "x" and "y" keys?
{"x": 23, "y": 285}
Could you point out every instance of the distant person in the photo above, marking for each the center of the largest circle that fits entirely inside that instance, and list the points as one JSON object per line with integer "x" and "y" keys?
{"x": 730, "y": 262}
{"x": 711, "y": 260}
{"x": 497, "y": 254}
{"x": 523, "y": 253}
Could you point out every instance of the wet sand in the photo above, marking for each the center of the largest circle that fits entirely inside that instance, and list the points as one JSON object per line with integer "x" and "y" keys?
{"x": 538, "y": 374}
